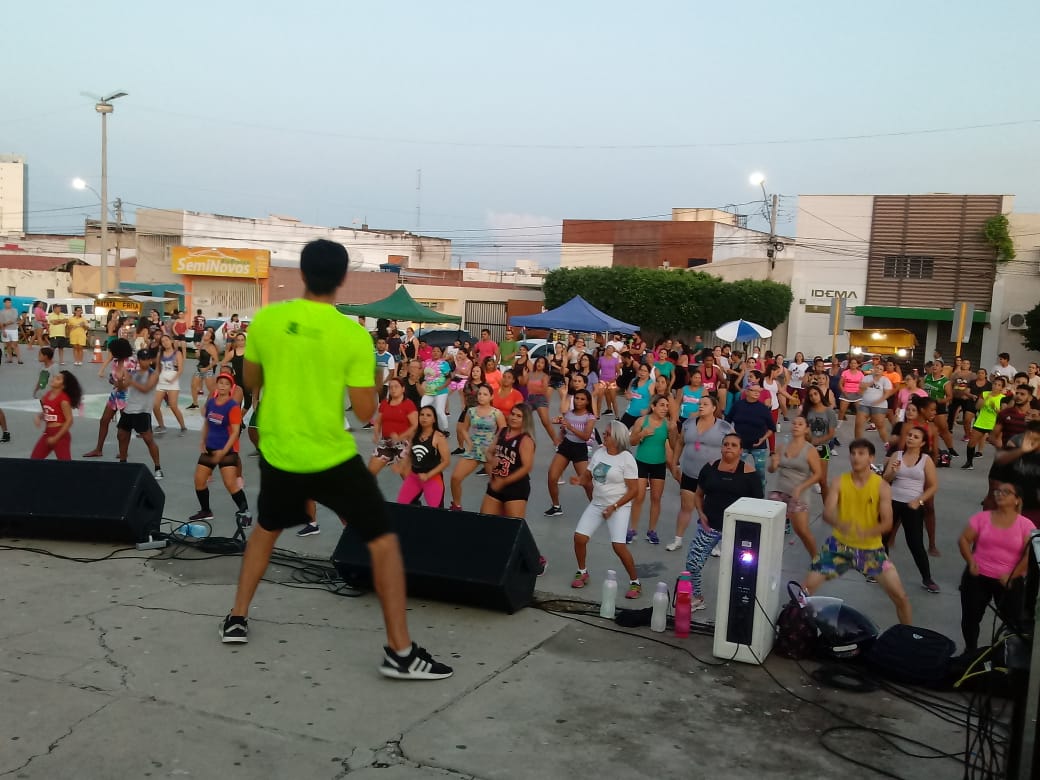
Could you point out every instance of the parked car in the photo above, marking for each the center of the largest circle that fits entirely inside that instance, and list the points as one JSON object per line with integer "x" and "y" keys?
{"x": 445, "y": 337}
{"x": 218, "y": 324}
{"x": 535, "y": 348}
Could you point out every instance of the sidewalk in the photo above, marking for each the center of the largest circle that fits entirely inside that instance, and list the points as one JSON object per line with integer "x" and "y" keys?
{"x": 114, "y": 668}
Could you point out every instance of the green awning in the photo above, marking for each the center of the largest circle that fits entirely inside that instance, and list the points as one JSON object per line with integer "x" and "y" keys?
{"x": 909, "y": 313}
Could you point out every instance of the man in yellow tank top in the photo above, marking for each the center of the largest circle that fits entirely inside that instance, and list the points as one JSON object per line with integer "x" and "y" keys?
{"x": 859, "y": 506}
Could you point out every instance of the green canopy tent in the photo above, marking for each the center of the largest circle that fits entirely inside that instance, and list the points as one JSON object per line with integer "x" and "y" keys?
{"x": 399, "y": 305}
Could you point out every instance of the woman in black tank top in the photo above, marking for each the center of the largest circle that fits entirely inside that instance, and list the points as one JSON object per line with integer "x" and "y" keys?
{"x": 509, "y": 463}
{"x": 427, "y": 459}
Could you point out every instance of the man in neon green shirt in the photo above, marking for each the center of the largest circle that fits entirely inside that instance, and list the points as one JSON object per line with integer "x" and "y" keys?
{"x": 307, "y": 454}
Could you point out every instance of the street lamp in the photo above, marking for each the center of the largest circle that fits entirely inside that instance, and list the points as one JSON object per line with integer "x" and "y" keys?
{"x": 81, "y": 184}
{"x": 103, "y": 106}
{"x": 758, "y": 179}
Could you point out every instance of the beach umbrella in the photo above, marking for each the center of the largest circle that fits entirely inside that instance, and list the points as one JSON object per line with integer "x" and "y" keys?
{"x": 742, "y": 330}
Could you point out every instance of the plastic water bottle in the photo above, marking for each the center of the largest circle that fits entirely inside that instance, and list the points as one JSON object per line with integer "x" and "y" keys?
{"x": 659, "y": 617}
{"x": 606, "y": 607}
{"x": 194, "y": 530}
{"x": 683, "y": 605}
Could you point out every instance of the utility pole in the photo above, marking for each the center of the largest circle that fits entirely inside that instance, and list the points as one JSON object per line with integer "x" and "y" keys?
{"x": 119, "y": 250}
{"x": 772, "y": 248}
{"x": 418, "y": 199}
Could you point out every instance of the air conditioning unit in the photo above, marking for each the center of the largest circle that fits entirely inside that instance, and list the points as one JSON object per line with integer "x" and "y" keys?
{"x": 1016, "y": 321}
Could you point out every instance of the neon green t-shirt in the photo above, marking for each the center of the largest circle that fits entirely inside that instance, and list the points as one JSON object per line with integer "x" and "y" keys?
{"x": 310, "y": 354}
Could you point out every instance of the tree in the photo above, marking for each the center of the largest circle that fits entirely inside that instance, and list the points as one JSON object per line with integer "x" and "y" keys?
{"x": 1031, "y": 335}
{"x": 666, "y": 301}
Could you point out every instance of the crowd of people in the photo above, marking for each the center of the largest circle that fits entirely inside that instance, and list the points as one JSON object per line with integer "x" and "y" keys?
{"x": 714, "y": 420}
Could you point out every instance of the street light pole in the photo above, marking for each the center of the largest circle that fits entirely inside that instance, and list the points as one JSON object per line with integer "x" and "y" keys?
{"x": 104, "y": 107}
{"x": 773, "y": 245}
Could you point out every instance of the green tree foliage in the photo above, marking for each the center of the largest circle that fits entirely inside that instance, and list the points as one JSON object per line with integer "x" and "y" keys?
{"x": 998, "y": 236}
{"x": 1031, "y": 335}
{"x": 664, "y": 301}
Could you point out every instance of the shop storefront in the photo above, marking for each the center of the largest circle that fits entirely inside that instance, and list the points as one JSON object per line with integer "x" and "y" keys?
{"x": 223, "y": 281}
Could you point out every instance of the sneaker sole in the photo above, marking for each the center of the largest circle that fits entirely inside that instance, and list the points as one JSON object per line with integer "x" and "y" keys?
{"x": 395, "y": 674}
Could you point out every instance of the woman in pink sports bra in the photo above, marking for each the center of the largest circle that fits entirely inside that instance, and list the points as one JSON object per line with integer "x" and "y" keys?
{"x": 850, "y": 378}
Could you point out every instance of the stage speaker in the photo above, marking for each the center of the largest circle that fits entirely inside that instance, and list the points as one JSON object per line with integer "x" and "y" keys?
{"x": 749, "y": 579}
{"x": 461, "y": 557}
{"x": 88, "y": 500}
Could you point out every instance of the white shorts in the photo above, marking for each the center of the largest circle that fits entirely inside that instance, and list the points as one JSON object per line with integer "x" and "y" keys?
{"x": 9, "y": 335}
{"x": 592, "y": 517}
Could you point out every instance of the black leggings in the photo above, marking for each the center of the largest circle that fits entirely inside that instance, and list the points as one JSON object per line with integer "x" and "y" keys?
{"x": 912, "y": 521}
{"x": 976, "y": 592}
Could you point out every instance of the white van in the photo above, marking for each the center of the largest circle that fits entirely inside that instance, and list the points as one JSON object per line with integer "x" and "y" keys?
{"x": 70, "y": 303}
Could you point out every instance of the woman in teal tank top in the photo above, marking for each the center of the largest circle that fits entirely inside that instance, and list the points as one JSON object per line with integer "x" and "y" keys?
{"x": 653, "y": 435}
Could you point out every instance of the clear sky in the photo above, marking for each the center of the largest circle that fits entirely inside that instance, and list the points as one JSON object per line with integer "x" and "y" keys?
{"x": 518, "y": 115}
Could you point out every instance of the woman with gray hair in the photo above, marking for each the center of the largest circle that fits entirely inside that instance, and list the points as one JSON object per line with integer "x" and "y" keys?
{"x": 614, "y": 478}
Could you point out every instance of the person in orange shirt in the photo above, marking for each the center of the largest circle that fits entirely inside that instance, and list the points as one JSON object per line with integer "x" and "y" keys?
{"x": 895, "y": 376}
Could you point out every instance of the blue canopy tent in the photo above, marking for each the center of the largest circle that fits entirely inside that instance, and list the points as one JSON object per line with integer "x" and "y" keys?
{"x": 577, "y": 314}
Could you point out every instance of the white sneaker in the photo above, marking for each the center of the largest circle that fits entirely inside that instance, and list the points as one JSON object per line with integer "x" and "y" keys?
{"x": 675, "y": 545}
{"x": 715, "y": 552}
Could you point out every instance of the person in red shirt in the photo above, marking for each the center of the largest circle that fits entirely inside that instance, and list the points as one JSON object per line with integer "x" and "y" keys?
{"x": 393, "y": 427}
{"x": 506, "y": 396}
{"x": 58, "y": 402}
{"x": 486, "y": 348}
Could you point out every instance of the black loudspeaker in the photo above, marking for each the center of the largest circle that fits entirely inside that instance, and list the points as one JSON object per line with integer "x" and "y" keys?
{"x": 88, "y": 500}
{"x": 461, "y": 557}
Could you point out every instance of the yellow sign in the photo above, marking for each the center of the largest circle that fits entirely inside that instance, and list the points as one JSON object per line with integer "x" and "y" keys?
{"x": 235, "y": 263}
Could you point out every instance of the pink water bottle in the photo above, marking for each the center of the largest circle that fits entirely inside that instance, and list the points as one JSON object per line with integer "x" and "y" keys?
{"x": 683, "y": 600}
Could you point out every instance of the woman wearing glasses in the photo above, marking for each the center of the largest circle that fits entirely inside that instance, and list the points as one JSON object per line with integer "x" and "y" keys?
{"x": 993, "y": 545}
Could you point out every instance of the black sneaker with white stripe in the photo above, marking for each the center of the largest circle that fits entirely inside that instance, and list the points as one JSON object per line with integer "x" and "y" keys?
{"x": 235, "y": 630}
{"x": 417, "y": 665}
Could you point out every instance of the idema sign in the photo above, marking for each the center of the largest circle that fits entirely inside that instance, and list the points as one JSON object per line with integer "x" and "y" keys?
{"x": 232, "y": 263}
{"x": 833, "y": 294}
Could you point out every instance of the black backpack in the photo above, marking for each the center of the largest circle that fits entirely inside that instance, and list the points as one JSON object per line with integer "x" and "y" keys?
{"x": 795, "y": 626}
{"x": 912, "y": 655}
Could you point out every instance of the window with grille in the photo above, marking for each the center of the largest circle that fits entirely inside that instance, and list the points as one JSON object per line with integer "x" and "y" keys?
{"x": 909, "y": 267}
{"x": 435, "y": 305}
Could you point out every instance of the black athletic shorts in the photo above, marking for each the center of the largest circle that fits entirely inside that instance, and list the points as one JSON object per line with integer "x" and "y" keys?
{"x": 348, "y": 489}
{"x": 229, "y": 461}
{"x": 574, "y": 451}
{"x": 941, "y": 408}
{"x": 517, "y": 491}
{"x": 59, "y": 342}
{"x": 686, "y": 482}
{"x": 651, "y": 470}
{"x": 138, "y": 422}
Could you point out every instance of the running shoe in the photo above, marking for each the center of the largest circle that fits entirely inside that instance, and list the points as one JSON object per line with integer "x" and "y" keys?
{"x": 235, "y": 630}
{"x": 930, "y": 586}
{"x": 243, "y": 518}
{"x": 160, "y": 429}
{"x": 417, "y": 665}
{"x": 5, "y": 438}
{"x": 158, "y": 474}
{"x": 697, "y": 603}
{"x": 715, "y": 552}
{"x": 651, "y": 536}
{"x": 543, "y": 565}
{"x": 953, "y": 453}
{"x": 458, "y": 451}
{"x": 872, "y": 580}
{"x": 366, "y": 426}
{"x": 193, "y": 406}
{"x": 630, "y": 534}
{"x": 580, "y": 579}
{"x": 455, "y": 507}
{"x": 554, "y": 511}
{"x": 675, "y": 545}
{"x": 966, "y": 439}
{"x": 311, "y": 529}
{"x": 183, "y": 431}
{"x": 635, "y": 589}
{"x": 969, "y": 466}
{"x": 202, "y": 514}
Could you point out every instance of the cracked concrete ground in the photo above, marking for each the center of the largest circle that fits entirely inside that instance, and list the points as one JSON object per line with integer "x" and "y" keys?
{"x": 114, "y": 669}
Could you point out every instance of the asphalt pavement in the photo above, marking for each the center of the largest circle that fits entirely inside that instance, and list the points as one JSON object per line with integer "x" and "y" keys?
{"x": 113, "y": 668}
